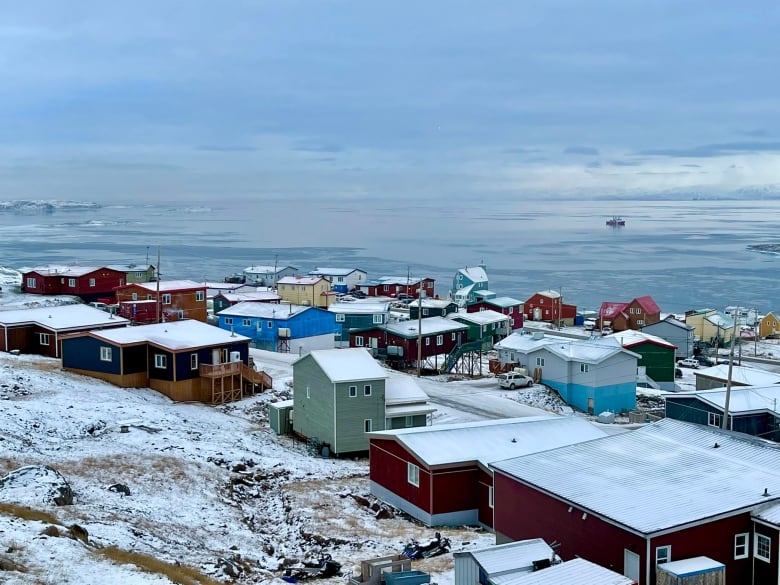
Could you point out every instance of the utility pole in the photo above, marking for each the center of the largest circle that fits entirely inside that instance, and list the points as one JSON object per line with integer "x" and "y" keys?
{"x": 159, "y": 304}
{"x": 724, "y": 422}
{"x": 419, "y": 326}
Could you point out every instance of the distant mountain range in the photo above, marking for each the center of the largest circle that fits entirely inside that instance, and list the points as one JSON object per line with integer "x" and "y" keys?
{"x": 45, "y": 205}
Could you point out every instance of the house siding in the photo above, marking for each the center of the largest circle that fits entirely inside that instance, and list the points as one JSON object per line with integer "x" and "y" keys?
{"x": 352, "y": 412}
{"x": 388, "y": 468}
{"x": 674, "y": 334}
{"x": 659, "y": 361}
{"x": 399, "y": 422}
{"x": 691, "y": 409}
{"x": 313, "y": 414}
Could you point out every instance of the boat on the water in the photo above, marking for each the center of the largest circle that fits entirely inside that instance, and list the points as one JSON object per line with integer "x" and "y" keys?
{"x": 616, "y": 221}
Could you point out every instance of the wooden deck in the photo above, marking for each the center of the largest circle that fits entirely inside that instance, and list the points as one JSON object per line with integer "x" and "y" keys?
{"x": 230, "y": 381}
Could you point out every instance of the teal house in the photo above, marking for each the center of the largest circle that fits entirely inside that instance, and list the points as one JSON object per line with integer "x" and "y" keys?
{"x": 470, "y": 285}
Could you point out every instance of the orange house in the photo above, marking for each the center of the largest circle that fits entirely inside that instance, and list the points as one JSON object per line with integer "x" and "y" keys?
{"x": 769, "y": 326}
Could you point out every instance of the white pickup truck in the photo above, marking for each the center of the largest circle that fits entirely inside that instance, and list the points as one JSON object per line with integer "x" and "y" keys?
{"x": 514, "y": 380}
{"x": 688, "y": 363}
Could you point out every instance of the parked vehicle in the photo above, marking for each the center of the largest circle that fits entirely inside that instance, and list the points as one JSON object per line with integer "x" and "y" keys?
{"x": 438, "y": 546}
{"x": 358, "y": 294}
{"x": 324, "y": 567}
{"x": 704, "y": 360}
{"x": 514, "y": 380}
{"x": 688, "y": 363}
{"x": 589, "y": 324}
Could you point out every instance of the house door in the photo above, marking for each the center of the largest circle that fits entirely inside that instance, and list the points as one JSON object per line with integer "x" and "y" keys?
{"x": 590, "y": 405}
{"x": 373, "y": 342}
{"x": 631, "y": 565}
{"x": 215, "y": 356}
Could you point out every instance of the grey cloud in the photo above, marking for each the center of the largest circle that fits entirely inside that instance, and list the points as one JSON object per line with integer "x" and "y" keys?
{"x": 589, "y": 150}
{"x": 710, "y": 150}
{"x": 755, "y": 133}
{"x": 626, "y": 163}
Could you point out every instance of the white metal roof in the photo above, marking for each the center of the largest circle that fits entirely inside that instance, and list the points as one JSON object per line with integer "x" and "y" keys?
{"x": 167, "y": 285}
{"x": 263, "y": 310}
{"x": 266, "y": 269}
{"x": 64, "y": 270}
{"x": 769, "y": 513}
{"x": 494, "y": 440}
{"x": 520, "y": 341}
{"x": 743, "y": 399}
{"x": 630, "y": 337}
{"x": 509, "y": 558}
{"x": 552, "y": 294}
{"x": 593, "y": 351}
{"x": 577, "y": 571}
{"x": 431, "y": 303}
{"x": 61, "y": 317}
{"x": 176, "y": 335}
{"x": 474, "y": 273}
{"x": 744, "y": 375}
{"x": 358, "y": 307}
{"x": 503, "y": 302}
{"x": 302, "y": 280}
{"x": 334, "y": 271}
{"x": 692, "y": 566}
{"x": 396, "y": 410}
{"x": 130, "y": 267}
{"x": 403, "y": 390}
{"x": 673, "y": 468}
{"x": 348, "y": 364}
{"x": 429, "y": 326}
{"x": 236, "y": 297}
{"x": 480, "y": 317}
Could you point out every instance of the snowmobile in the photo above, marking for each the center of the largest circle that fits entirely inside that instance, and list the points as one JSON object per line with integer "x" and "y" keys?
{"x": 324, "y": 567}
{"x": 438, "y": 546}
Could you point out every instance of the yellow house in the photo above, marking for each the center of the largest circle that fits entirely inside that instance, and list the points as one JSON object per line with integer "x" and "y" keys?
{"x": 711, "y": 326}
{"x": 769, "y": 326}
{"x": 310, "y": 291}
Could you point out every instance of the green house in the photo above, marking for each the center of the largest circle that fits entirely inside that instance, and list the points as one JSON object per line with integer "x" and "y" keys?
{"x": 339, "y": 395}
{"x": 657, "y": 355}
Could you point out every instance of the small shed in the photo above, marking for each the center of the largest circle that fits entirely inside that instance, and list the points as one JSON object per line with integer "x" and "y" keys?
{"x": 489, "y": 565}
{"x": 693, "y": 571}
{"x": 280, "y": 417}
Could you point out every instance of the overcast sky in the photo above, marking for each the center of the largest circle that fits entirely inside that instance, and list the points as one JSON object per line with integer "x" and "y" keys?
{"x": 147, "y": 99}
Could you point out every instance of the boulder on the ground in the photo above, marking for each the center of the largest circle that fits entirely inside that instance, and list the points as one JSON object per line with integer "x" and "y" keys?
{"x": 34, "y": 485}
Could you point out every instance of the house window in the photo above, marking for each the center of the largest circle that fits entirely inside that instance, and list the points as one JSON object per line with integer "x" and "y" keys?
{"x": 352, "y": 391}
{"x": 367, "y": 390}
{"x": 308, "y": 392}
{"x": 193, "y": 361}
{"x": 741, "y": 545}
{"x": 200, "y": 295}
{"x": 439, "y": 340}
{"x": 490, "y": 496}
{"x": 425, "y": 312}
{"x": 30, "y": 283}
{"x": 541, "y": 301}
{"x": 408, "y": 421}
{"x": 540, "y": 361}
{"x": 71, "y": 282}
{"x": 246, "y": 322}
{"x": 584, "y": 368}
{"x": 413, "y": 474}
{"x": 762, "y": 548}
{"x": 358, "y": 341}
{"x": 453, "y": 337}
{"x": 386, "y": 288}
{"x": 270, "y": 325}
{"x": 149, "y": 297}
{"x": 92, "y": 282}
{"x": 134, "y": 296}
{"x": 640, "y": 321}
{"x": 340, "y": 317}
{"x": 663, "y": 554}
{"x": 427, "y": 341}
{"x": 160, "y": 361}
{"x": 378, "y": 319}
{"x": 139, "y": 274}
{"x": 367, "y": 425}
{"x": 166, "y": 299}
{"x": 43, "y": 338}
{"x": 105, "y": 354}
{"x": 713, "y": 419}
{"x": 228, "y": 320}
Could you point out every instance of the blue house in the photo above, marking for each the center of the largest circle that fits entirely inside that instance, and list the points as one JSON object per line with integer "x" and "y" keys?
{"x": 359, "y": 314}
{"x": 470, "y": 285}
{"x": 283, "y": 327}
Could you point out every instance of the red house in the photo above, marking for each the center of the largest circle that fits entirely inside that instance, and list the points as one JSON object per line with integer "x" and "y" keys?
{"x": 548, "y": 306}
{"x": 667, "y": 492}
{"x": 86, "y": 282}
{"x": 506, "y": 305}
{"x": 392, "y": 286}
{"x": 172, "y": 300}
{"x": 440, "y": 474}
{"x": 397, "y": 342}
{"x": 40, "y": 330}
{"x": 634, "y": 315}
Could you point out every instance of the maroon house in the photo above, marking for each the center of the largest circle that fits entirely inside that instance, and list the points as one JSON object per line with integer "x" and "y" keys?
{"x": 667, "y": 492}
{"x": 506, "y": 305}
{"x": 398, "y": 341}
{"x": 40, "y": 330}
{"x": 172, "y": 300}
{"x": 548, "y": 305}
{"x": 392, "y": 286}
{"x": 634, "y": 315}
{"x": 86, "y": 282}
{"x": 440, "y": 474}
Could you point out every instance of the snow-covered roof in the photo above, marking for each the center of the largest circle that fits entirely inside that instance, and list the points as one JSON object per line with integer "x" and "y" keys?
{"x": 743, "y": 399}
{"x": 520, "y": 341}
{"x": 480, "y": 317}
{"x": 672, "y": 320}
{"x": 166, "y": 285}
{"x": 403, "y": 390}
{"x": 417, "y": 408}
{"x": 431, "y": 303}
{"x": 64, "y": 270}
{"x": 334, "y": 271}
{"x": 474, "y": 273}
{"x": 494, "y": 440}
{"x": 263, "y": 310}
{"x": 768, "y": 513}
{"x": 503, "y": 302}
{"x": 681, "y": 473}
{"x": 266, "y": 269}
{"x": 692, "y": 566}
{"x": 743, "y": 375}
{"x": 175, "y": 335}
{"x": 721, "y": 320}
{"x": 630, "y": 338}
{"x": 235, "y": 297}
{"x": 302, "y": 280}
{"x": 591, "y": 351}
{"x": 131, "y": 267}
{"x": 61, "y": 317}
{"x": 401, "y": 280}
{"x": 428, "y": 326}
{"x": 552, "y": 294}
{"x": 360, "y": 307}
{"x": 577, "y": 571}
{"x": 348, "y": 364}
{"x": 610, "y": 309}
{"x": 510, "y": 558}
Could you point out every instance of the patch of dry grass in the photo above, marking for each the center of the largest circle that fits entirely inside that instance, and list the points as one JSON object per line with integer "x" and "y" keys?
{"x": 177, "y": 573}
{"x": 26, "y": 513}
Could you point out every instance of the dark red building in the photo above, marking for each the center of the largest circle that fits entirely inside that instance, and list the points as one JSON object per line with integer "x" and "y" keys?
{"x": 667, "y": 492}
{"x": 86, "y": 282}
{"x": 398, "y": 341}
{"x": 389, "y": 286}
{"x": 548, "y": 306}
{"x": 172, "y": 300}
{"x": 510, "y": 307}
{"x": 440, "y": 474}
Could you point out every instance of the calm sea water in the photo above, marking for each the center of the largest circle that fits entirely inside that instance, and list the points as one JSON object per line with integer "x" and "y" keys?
{"x": 686, "y": 254}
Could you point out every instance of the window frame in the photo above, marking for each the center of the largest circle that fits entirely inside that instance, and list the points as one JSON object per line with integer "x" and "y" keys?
{"x": 228, "y": 320}
{"x": 246, "y": 322}
{"x": 358, "y": 341}
{"x": 745, "y": 546}
{"x": 161, "y": 361}
{"x": 716, "y": 418}
{"x": 92, "y": 283}
{"x": 193, "y": 361}
{"x": 166, "y": 298}
{"x": 200, "y": 295}
{"x": 584, "y": 368}
{"x": 71, "y": 283}
{"x": 757, "y": 547}
{"x": 368, "y": 425}
{"x": 44, "y": 339}
{"x": 663, "y": 554}
{"x": 491, "y": 496}
{"x": 340, "y": 318}
{"x": 352, "y": 391}
{"x": 31, "y": 282}
{"x": 408, "y": 421}
{"x": 440, "y": 340}
{"x": 412, "y": 474}
{"x": 379, "y": 319}
{"x": 540, "y": 362}
{"x": 366, "y": 389}
{"x": 106, "y": 353}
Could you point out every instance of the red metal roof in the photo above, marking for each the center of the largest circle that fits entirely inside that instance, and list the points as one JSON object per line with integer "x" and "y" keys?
{"x": 610, "y": 310}
{"x": 648, "y": 304}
